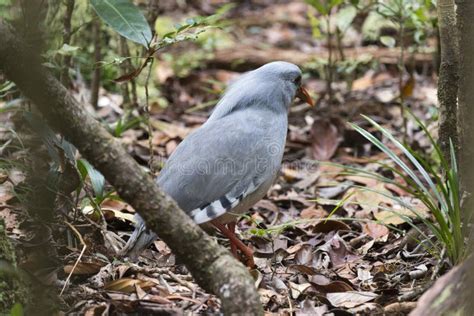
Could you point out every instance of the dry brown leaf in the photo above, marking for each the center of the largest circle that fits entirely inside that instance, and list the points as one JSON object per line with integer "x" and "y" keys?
{"x": 127, "y": 285}
{"x": 268, "y": 205}
{"x": 408, "y": 87}
{"x": 139, "y": 291}
{"x": 370, "y": 182}
{"x": 330, "y": 225}
{"x": 350, "y": 299}
{"x": 364, "y": 82}
{"x": 375, "y": 230}
{"x": 303, "y": 269}
{"x": 6, "y": 192}
{"x": 162, "y": 247}
{"x": 399, "y": 214}
{"x": 172, "y": 130}
{"x": 339, "y": 253}
{"x": 325, "y": 139}
{"x": 297, "y": 289}
{"x": 83, "y": 268}
{"x": 369, "y": 200}
{"x": 313, "y": 212}
{"x": 333, "y": 287}
{"x": 304, "y": 256}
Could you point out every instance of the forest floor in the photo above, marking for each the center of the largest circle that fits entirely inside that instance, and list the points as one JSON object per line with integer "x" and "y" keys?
{"x": 362, "y": 260}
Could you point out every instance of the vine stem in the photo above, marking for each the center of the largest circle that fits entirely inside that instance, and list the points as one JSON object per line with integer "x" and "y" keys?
{"x": 151, "y": 161}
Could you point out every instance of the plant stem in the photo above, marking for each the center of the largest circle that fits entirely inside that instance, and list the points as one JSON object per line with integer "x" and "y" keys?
{"x": 148, "y": 119}
{"x": 401, "y": 70}
{"x": 67, "y": 34}
{"x": 329, "y": 78}
{"x": 95, "y": 84}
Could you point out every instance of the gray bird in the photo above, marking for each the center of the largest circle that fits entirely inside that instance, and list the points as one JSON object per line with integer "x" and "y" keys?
{"x": 228, "y": 164}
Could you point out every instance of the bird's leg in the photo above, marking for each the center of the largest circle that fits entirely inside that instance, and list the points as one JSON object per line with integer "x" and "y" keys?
{"x": 246, "y": 251}
{"x": 233, "y": 247}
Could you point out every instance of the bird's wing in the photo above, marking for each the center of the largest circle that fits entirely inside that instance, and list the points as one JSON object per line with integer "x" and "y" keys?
{"x": 221, "y": 163}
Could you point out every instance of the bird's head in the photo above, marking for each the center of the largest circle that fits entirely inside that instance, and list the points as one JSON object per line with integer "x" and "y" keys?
{"x": 274, "y": 86}
{"x": 285, "y": 75}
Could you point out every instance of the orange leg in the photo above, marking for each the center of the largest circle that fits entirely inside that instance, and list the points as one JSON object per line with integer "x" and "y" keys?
{"x": 237, "y": 243}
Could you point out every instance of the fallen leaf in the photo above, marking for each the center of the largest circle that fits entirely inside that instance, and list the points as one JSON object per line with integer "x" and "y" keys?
{"x": 350, "y": 299}
{"x": 400, "y": 214}
{"x": 172, "y": 130}
{"x": 308, "y": 308}
{"x": 6, "y": 192}
{"x": 333, "y": 287}
{"x": 303, "y": 269}
{"x": 408, "y": 87}
{"x": 83, "y": 268}
{"x": 364, "y": 82}
{"x": 325, "y": 139}
{"x": 368, "y": 181}
{"x": 313, "y": 212}
{"x": 333, "y": 191}
{"x": 330, "y": 225}
{"x": 338, "y": 251}
{"x": 375, "y": 230}
{"x": 297, "y": 289}
{"x": 304, "y": 256}
{"x": 127, "y": 285}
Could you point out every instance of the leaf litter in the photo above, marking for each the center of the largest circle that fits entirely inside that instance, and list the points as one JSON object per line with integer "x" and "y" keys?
{"x": 325, "y": 242}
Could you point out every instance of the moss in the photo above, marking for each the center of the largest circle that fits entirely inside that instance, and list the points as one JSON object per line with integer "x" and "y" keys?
{"x": 12, "y": 288}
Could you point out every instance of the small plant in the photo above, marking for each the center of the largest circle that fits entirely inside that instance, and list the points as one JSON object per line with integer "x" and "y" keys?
{"x": 334, "y": 20}
{"x": 412, "y": 20}
{"x": 439, "y": 193}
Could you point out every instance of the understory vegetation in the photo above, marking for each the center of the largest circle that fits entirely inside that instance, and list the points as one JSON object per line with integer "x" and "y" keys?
{"x": 371, "y": 205}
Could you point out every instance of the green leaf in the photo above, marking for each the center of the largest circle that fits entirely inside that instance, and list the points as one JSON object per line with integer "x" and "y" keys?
{"x": 17, "y": 310}
{"x": 388, "y": 41}
{"x": 333, "y": 3}
{"x": 319, "y": 5}
{"x": 125, "y": 18}
{"x": 97, "y": 179}
{"x": 344, "y": 17}
{"x": 67, "y": 50}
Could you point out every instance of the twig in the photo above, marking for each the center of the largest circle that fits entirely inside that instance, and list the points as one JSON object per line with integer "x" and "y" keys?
{"x": 67, "y": 34}
{"x": 438, "y": 266}
{"x": 97, "y": 56}
{"x": 401, "y": 66}
{"x": 79, "y": 236}
{"x": 148, "y": 118}
{"x": 329, "y": 79}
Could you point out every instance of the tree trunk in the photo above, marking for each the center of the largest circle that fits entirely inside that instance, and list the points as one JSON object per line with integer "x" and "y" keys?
{"x": 448, "y": 76}
{"x": 465, "y": 13}
{"x": 450, "y": 295}
{"x": 212, "y": 266}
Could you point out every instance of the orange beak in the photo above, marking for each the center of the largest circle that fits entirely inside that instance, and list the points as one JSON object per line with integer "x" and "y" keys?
{"x": 303, "y": 94}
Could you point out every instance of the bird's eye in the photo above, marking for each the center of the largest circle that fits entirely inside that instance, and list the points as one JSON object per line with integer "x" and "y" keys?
{"x": 298, "y": 80}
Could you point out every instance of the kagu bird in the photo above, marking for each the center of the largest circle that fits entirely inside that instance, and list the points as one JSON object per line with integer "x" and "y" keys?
{"x": 223, "y": 168}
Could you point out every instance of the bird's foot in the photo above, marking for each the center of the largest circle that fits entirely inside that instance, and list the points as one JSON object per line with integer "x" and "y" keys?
{"x": 236, "y": 243}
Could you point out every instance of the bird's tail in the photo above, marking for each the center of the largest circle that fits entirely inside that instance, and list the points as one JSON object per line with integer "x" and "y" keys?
{"x": 140, "y": 239}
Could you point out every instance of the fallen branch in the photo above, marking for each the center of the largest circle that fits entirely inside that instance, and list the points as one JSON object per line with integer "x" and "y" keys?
{"x": 250, "y": 56}
{"x": 214, "y": 269}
